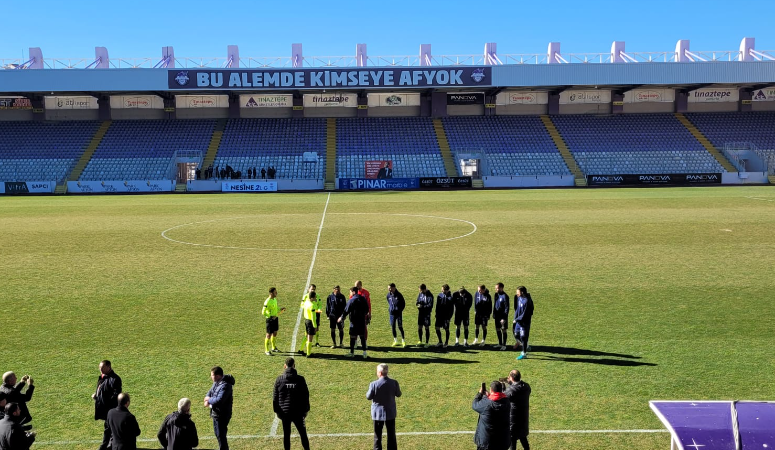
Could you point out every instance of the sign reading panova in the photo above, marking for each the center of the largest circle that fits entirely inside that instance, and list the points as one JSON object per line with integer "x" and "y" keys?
{"x": 672, "y": 179}
{"x": 266, "y": 101}
{"x": 327, "y": 78}
{"x": 466, "y": 98}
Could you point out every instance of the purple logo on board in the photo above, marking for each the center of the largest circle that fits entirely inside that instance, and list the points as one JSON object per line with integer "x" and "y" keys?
{"x": 478, "y": 75}
{"x": 182, "y": 78}
{"x": 760, "y": 96}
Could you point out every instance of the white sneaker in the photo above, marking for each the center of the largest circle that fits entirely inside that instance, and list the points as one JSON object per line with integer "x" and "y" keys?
{"x": 465, "y": 343}
{"x": 457, "y": 341}
{"x": 475, "y": 341}
{"x": 365, "y": 355}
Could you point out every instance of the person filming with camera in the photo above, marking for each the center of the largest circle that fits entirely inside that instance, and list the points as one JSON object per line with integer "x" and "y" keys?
{"x": 492, "y": 430}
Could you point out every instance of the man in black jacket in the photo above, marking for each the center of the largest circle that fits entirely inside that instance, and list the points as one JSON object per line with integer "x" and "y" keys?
{"x": 220, "y": 400}
{"x": 290, "y": 402}
{"x": 463, "y": 300}
{"x": 123, "y": 425}
{"x": 492, "y": 430}
{"x": 12, "y": 436}
{"x": 13, "y": 393}
{"x": 518, "y": 394}
{"x": 178, "y": 432}
{"x": 106, "y": 398}
{"x": 396, "y": 305}
{"x": 358, "y": 310}
{"x": 424, "y": 308}
{"x": 444, "y": 311}
{"x": 334, "y": 308}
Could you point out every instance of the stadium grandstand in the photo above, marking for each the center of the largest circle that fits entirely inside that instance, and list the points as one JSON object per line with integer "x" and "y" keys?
{"x": 421, "y": 121}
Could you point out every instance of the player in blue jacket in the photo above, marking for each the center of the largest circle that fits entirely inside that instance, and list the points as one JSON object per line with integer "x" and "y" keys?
{"x": 396, "y": 305}
{"x": 444, "y": 311}
{"x": 424, "y": 310}
{"x": 500, "y": 315}
{"x": 482, "y": 312}
{"x": 523, "y": 315}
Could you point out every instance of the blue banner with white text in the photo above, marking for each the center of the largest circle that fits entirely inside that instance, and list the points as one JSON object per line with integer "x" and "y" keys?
{"x": 388, "y": 184}
{"x": 258, "y": 79}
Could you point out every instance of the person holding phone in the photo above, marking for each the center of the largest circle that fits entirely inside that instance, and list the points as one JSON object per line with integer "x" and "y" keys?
{"x": 492, "y": 430}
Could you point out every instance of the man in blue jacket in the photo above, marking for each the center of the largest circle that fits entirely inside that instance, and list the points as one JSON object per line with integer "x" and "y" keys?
{"x": 396, "y": 305}
{"x": 424, "y": 309}
{"x": 500, "y": 315}
{"x": 382, "y": 394}
{"x": 219, "y": 399}
{"x": 482, "y": 311}
{"x": 523, "y": 316}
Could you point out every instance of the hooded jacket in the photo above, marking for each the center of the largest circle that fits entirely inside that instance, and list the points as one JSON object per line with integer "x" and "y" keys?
{"x": 221, "y": 399}
{"x": 178, "y": 432}
{"x": 492, "y": 430}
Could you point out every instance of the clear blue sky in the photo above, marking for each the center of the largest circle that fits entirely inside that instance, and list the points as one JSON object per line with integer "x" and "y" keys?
{"x": 139, "y": 28}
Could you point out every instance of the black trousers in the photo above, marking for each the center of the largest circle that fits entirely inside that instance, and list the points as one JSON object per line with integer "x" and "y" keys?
{"x": 301, "y": 427}
{"x": 522, "y": 440}
{"x": 106, "y": 436}
{"x": 221, "y": 427}
{"x": 391, "y": 434}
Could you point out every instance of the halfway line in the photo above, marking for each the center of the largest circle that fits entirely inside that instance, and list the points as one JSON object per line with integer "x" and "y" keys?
{"x": 276, "y": 421}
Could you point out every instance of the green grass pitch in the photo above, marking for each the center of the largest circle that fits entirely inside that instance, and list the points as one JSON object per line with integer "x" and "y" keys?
{"x": 640, "y": 294}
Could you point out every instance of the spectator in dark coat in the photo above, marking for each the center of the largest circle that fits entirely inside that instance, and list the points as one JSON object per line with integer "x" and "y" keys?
{"x": 518, "y": 394}
{"x": 178, "y": 432}
{"x": 492, "y": 431}
{"x": 220, "y": 400}
{"x": 13, "y": 394}
{"x": 3, "y": 402}
{"x": 382, "y": 394}
{"x": 106, "y": 398}
{"x": 290, "y": 402}
{"x": 263, "y": 173}
{"x": 12, "y": 436}
{"x": 123, "y": 425}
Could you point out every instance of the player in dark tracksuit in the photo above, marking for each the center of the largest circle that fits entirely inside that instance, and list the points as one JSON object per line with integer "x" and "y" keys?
{"x": 482, "y": 311}
{"x": 500, "y": 315}
{"x": 463, "y": 300}
{"x": 523, "y": 315}
{"x": 334, "y": 309}
{"x": 396, "y": 305}
{"x": 424, "y": 309}
{"x": 444, "y": 310}
{"x": 358, "y": 309}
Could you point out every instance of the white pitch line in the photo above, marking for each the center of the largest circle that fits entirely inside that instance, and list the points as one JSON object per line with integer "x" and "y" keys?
{"x": 406, "y": 433}
{"x": 762, "y": 199}
{"x": 276, "y": 421}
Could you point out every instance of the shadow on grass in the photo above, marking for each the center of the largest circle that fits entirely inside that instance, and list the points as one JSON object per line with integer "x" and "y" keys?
{"x": 577, "y": 355}
{"x": 604, "y": 361}
{"x": 403, "y": 359}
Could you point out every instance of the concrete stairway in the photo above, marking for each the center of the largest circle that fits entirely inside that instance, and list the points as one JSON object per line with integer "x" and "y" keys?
{"x": 559, "y": 142}
{"x": 706, "y": 143}
{"x": 215, "y": 142}
{"x": 86, "y": 156}
{"x": 330, "y": 183}
{"x": 446, "y": 153}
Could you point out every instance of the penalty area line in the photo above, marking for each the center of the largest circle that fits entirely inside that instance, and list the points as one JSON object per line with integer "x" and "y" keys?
{"x": 405, "y": 433}
{"x": 276, "y": 421}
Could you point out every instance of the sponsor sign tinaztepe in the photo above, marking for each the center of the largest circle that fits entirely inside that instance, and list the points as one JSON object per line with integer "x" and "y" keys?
{"x": 328, "y": 78}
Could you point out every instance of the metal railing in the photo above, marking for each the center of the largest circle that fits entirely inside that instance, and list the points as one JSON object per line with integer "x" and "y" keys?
{"x": 395, "y": 60}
